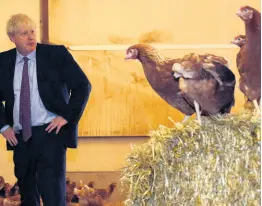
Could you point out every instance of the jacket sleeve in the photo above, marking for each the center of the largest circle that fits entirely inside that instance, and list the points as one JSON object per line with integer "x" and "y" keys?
{"x": 2, "y": 115}
{"x": 78, "y": 84}
{"x": 2, "y": 106}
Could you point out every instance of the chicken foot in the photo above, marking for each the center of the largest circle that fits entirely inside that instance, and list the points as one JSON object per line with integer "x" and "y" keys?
{"x": 197, "y": 112}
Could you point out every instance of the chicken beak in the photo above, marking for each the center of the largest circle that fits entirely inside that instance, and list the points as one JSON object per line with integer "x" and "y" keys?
{"x": 239, "y": 13}
{"x": 128, "y": 56}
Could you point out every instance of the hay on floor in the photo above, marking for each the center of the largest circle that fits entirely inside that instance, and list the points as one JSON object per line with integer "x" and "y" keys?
{"x": 217, "y": 163}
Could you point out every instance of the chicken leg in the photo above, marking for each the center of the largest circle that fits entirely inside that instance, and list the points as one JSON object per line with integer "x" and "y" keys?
{"x": 257, "y": 107}
{"x": 185, "y": 118}
{"x": 197, "y": 112}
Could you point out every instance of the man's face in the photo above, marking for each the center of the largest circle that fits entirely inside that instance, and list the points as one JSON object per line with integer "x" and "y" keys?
{"x": 24, "y": 39}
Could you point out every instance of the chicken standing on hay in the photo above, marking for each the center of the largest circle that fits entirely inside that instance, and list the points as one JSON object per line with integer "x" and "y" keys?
{"x": 158, "y": 71}
{"x": 249, "y": 62}
{"x": 206, "y": 83}
{"x": 217, "y": 77}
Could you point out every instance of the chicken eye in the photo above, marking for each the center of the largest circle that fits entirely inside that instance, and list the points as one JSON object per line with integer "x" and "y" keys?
{"x": 238, "y": 39}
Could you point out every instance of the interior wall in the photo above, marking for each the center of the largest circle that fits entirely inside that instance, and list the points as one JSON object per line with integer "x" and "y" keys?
{"x": 171, "y": 21}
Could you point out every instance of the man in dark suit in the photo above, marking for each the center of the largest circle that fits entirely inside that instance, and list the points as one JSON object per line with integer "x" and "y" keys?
{"x": 43, "y": 93}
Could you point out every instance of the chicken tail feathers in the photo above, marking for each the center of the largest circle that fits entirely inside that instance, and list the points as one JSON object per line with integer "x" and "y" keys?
{"x": 111, "y": 188}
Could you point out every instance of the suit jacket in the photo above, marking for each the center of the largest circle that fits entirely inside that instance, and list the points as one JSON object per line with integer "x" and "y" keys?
{"x": 63, "y": 87}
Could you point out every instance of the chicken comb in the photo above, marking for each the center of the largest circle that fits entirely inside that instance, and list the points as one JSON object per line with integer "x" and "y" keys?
{"x": 244, "y": 7}
{"x": 240, "y": 36}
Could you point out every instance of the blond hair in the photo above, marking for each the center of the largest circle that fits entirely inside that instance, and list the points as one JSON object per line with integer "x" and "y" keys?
{"x": 16, "y": 20}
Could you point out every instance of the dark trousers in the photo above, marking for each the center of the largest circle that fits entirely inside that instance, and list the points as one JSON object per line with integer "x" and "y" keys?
{"x": 40, "y": 165}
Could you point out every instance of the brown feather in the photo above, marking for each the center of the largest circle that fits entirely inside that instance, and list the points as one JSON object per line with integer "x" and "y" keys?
{"x": 207, "y": 80}
{"x": 158, "y": 71}
{"x": 196, "y": 83}
{"x": 249, "y": 58}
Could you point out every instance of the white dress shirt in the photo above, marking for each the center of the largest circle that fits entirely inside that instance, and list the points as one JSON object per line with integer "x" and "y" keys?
{"x": 39, "y": 114}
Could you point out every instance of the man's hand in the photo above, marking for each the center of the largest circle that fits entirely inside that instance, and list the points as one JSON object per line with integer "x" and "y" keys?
{"x": 9, "y": 134}
{"x": 57, "y": 123}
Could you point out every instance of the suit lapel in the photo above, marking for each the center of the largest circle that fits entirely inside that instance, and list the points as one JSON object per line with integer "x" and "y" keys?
{"x": 11, "y": 64}
{"x": 40, "y": 66}
{"x": 10, "y": 77}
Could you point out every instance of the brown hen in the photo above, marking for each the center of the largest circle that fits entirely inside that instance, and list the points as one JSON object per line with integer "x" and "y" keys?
{"x": 158, "y": 71}
{"x": 191, "y": 68}
{"x": 105, "y": 193}
{"x": 239, "y": 40}
{"x": 249, "y": 64}
{"x": 206, "y": 83}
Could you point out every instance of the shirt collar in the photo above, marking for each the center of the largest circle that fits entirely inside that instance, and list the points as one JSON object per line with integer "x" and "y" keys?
{"x": 19, "y": 57}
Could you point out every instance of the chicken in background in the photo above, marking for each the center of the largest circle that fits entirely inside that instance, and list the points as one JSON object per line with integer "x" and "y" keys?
{"x": 249, "y": 62}
{"x": 91, "y": 184}
{"x": 14, "y": 191}
{"x": 70, "y": 188}
{"x": 206, "y": 83}
{"x": 87, "y": 196}
{"x": 2, "y": 190}
{"x": 12, "y": 196}
{"x": 158, "y": 71}
{"x": 75, "y": 199}
{"x": 2, "y": 187}
{"x": 239, "y": 40}
{"x": 68, "y": 181}
{"x": 92, "y": 200}
{"x": 104, "y": 193}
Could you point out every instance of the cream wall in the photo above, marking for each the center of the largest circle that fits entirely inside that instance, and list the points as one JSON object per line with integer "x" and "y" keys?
{"x": 179, "y": 22}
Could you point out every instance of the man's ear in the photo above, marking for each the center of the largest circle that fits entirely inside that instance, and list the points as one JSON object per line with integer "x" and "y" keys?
{"x": 11, "y": 37}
